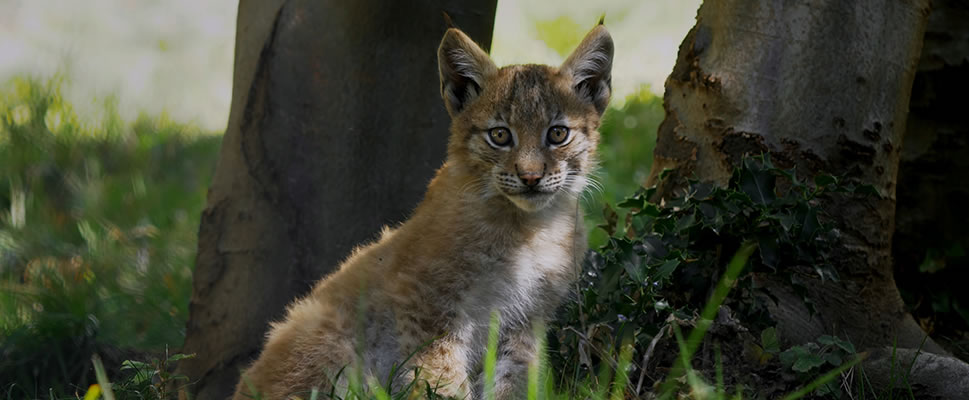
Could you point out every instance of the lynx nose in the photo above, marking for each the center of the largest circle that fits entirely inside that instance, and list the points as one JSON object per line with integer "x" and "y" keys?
{"x": 529, "y": 178}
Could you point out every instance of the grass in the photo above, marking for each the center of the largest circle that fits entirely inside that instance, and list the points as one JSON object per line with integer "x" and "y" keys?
{"x": 612, "y": 384}
{"x": 97, "y": 236}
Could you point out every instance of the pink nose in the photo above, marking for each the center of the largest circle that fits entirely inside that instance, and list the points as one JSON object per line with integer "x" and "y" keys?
{"x": 530, "y": 178}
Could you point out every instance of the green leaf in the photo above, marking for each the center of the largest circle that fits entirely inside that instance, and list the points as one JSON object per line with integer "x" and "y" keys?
{"x": 809, "y": 224}
{"x": 829, "y": 340}
{"x": 132, "y": 364}
{"x": 143, "y": 371}
{"x": 648, "y": 209}
{"x": 632, "y": 202}
{"x": 667, "y": 269}
{"x": 686, "y": 221}
{"x": 807, "y": 363}
{"x": 179, "y": 357}
{"x": 822, "y": 180}
{"x": 828, "y": 388}
{"x": 790, "y": 356}
{"x": 833, "y": 359}
{"x": 757, "y": 183}
{"x": 868, "y": 190}
{"x": 845, "y": 345}
{"x": 768, "y": 340}
{"x": 768, "y": 249}
{"x": 634, "y": 268}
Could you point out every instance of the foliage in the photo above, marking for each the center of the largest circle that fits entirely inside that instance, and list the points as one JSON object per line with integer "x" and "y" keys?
{"x": 150, "y": 379}
{"x": 655, "y": 268}
{"x": 809, "y": 359}
{"x": 97, "y": 235}
{"x": 625, "y": 153}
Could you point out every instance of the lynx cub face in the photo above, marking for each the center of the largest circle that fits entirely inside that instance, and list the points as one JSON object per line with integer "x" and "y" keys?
{"x": 498, "y": 231}
{"x": 528, "y": 131}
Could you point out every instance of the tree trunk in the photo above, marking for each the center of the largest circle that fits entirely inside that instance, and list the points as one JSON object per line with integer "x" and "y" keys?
{"x": 335, "y": 129}
{"x": 933, "y": 177}
{"x": 824, "y": 86}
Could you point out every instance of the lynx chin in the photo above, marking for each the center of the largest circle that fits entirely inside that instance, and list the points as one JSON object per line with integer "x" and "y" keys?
{"x": 499, "y": 229}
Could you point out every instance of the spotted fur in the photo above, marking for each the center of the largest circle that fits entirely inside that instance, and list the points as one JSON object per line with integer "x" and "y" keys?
{"x": 499, "y": 230}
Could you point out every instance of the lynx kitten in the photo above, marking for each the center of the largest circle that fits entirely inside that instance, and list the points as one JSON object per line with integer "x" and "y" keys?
{"x": 498, "y": 230}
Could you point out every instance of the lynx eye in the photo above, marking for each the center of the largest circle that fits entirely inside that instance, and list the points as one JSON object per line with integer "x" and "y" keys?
{"x": 499, "y": 137}
{"x": 558, "y": 135}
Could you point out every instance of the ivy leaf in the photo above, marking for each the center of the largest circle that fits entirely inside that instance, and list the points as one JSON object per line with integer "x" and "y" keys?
{"x": 634, "y": 268}
{"x": 828, "y": 388}
{"x": 786, "y": 220}
{"x": 836, "y": 341}
{"x": 667, "y": 269}
{"x": 868, "y": 190}
{"x": 686, "y": 221}
{"x": 648, "y": 209}
{"x": 807, "y": 363}
{"x": 809, "y": 224}
{"x": 635, "y": 202}
{"x": 758, "y": 183}
{"x": 768, "y": 340}
{"x": 768, "y": 249}
{"x": 790, "y": 356}
{"x": 631, "y": 262}
{"x": 833, "y": 359}
{"x": 822, "y": 180}
{"x": 653, "y": 247}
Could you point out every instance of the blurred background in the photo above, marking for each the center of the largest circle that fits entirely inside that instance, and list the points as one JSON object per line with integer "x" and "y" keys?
{"x": 111, "y": 114}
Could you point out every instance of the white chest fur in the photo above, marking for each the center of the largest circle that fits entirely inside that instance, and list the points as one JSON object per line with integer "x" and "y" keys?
{"x": 537, "y": 267}
{"x": 530, "y": 283}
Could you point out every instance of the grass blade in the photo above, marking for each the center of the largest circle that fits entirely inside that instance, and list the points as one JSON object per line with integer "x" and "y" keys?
{"x": 102, "y": 378}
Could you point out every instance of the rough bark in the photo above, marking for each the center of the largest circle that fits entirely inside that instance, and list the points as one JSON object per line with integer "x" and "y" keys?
{"x": 336, "y": 127}
{"x": 824, "y": 86}
{"x": 933, "y": 177}
{"x": 905, "y": 372}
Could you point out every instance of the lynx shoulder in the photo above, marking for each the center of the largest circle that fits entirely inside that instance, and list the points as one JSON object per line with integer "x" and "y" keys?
{"x": 499, "y": 230}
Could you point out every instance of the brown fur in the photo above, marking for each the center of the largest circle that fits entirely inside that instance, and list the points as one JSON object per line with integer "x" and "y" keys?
{"x": 480, "y": 241}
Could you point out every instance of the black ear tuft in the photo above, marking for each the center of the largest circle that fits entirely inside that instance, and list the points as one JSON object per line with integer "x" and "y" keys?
{"x": 590, "y": 67}
{"x": 464, "y": 68}
{"x": 447, "y": 20}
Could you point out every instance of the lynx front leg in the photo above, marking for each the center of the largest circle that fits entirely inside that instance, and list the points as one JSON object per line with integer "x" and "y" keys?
{"x": 517, "y": 350}
{"x": 443, "y": 365}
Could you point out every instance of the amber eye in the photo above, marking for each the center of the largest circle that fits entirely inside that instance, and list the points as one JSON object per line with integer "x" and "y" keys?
{"x": 500, "y": 136}
{"x": 558, "y": 134}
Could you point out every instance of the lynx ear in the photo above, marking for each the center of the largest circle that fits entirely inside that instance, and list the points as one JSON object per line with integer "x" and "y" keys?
{"x": 590, "y": 68}
{"x": 464, "y": 68}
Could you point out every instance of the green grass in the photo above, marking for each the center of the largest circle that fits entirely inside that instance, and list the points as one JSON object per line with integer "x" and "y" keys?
{"x": 98, "y": 225}
{"x": 611, "y": 384}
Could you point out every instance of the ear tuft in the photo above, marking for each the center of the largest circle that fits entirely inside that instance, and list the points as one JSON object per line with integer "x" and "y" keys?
{"x": 447, "y": 19}
{"x": 590, "y": 68}
{"x": 464, "y": 68}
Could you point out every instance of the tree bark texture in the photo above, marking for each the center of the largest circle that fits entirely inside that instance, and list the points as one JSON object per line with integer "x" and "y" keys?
{"x": 336, "y": 126}
{"x": 933, "y": 178}
{"x": 822, "y": 85}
